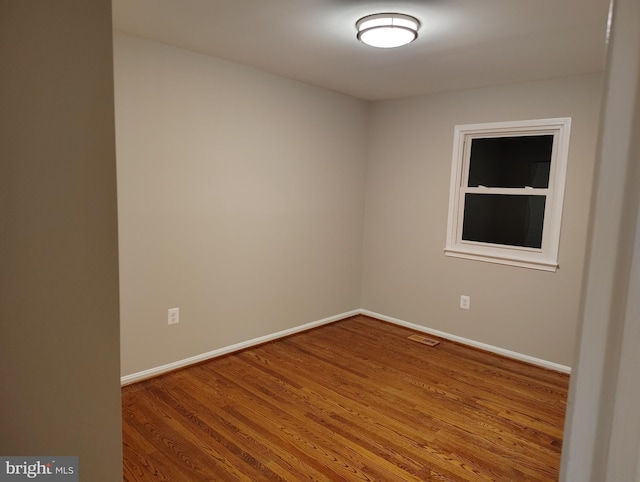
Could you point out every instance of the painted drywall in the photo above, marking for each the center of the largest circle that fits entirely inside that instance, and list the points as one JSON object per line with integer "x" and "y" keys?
{"x": 59, "y": 329}
{"x": 602, "y": 430}
{"x": 241, "y": 201}
{"x": 406, "y": 274}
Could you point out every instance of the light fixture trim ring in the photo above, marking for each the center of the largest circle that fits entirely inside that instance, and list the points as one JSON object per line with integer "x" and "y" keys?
{"x": 390, "y": 15}
{"x": 400, "y": 27}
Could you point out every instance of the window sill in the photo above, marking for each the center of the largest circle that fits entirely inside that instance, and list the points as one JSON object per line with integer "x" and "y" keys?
{"x": 518, "y": 261}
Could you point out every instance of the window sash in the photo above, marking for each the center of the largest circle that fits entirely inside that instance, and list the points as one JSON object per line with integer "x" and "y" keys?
{"x": 501, "y": 161}
{"x": 520, "y": 230}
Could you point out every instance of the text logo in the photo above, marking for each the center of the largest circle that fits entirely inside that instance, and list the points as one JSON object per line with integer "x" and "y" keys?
{"x": 45, "y": 469}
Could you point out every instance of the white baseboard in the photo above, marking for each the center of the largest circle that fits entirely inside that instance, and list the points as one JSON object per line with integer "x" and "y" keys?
{"x": 152, "y": 372}
{"x": 476, "y": 344}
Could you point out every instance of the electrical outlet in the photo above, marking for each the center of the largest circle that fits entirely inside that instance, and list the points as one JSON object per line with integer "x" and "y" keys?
{"x": 465, "y": 302}
{"x": 173, "y": 316}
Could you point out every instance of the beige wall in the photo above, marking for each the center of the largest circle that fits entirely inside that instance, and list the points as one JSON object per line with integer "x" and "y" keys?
{"x": 602, "y": 430}
{"x": 406, "y": 274}
{"x": 59, "y": 330}
{"x": 240, "y": 201}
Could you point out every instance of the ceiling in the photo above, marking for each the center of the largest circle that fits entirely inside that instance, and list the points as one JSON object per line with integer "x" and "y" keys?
{"x": 462, "y": 43}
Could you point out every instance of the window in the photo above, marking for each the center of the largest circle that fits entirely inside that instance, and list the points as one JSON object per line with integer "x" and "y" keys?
{"x": 507, "y": 188}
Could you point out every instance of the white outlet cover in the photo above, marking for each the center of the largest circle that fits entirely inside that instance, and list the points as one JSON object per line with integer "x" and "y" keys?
{"x": 173, "y": 316}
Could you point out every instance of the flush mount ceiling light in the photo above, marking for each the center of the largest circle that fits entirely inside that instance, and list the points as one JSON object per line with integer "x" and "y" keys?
{"x": 387, "y": 30}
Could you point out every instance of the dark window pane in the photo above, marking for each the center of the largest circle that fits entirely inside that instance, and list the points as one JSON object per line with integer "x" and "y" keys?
{"x": 504, "y": 219}
{"x": 511, "y": 161}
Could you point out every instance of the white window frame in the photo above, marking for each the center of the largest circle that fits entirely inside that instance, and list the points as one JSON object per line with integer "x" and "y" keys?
{"x": 544, "y": 258}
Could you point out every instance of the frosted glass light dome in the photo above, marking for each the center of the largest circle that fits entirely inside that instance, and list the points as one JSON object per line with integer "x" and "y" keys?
{"x": 387, "y": 30}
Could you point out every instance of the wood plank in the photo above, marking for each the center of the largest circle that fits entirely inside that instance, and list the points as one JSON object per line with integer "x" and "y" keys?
{"x": 353, "y": 400}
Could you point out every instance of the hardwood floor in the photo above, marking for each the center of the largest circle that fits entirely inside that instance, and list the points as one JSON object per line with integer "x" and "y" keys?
{"x": 353, "y": 400}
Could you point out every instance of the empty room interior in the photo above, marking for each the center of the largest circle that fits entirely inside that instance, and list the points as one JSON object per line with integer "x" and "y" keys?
{"x": 264, "y": 189}
{"x": 256, "y": 203}
{"x": 249, "y": 240}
